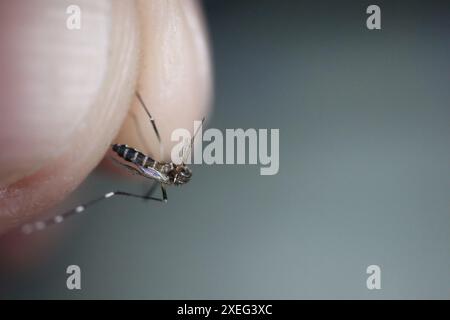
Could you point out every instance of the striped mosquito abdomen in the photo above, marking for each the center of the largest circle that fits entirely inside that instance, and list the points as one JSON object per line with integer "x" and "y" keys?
{"x": 132, "y": 155}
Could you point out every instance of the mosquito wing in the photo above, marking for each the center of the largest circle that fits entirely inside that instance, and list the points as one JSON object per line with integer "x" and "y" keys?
{"x": 154, "y": 174}
{"x": 131, "y": 169}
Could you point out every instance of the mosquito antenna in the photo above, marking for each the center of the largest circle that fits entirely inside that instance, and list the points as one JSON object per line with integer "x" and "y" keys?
{"x": 186, "y": 153}
{"x": 195, "y": 134}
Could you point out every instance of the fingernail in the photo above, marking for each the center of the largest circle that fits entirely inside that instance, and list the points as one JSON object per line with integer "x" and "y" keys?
{"x": 51, "y": 76}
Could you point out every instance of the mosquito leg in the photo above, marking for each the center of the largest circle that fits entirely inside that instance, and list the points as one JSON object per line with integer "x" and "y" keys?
{"x": 147, "y": 196}
{"x": 138, "y": 127}
{"x": 164, "y": 193}
{"x": 42, "y": 224}
{"x": 152, "y": 120}
{"x": 151, "y": 190}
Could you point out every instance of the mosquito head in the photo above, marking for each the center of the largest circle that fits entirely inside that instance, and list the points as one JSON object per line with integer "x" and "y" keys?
{"x": 182, "y": 174}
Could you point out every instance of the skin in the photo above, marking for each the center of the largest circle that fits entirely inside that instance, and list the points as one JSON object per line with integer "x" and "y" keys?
{"x": 69, "y": 94}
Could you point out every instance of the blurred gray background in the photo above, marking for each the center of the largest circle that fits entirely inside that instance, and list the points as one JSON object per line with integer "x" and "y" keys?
{"x": 364, "y": 169}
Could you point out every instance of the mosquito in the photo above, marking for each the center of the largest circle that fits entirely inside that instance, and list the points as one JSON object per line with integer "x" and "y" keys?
{"x": 136, "y": 162}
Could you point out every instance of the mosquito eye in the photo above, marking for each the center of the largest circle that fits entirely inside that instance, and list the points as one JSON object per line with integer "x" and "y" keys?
{"x": 186, "y": 172}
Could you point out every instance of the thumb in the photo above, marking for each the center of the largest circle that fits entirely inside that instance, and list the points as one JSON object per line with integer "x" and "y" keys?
{"x": 64, "y": 96}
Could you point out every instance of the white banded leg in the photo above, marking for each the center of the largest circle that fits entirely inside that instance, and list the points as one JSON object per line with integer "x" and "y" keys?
{"x": 152, "y": 120}
{"x": 42, "y": 224}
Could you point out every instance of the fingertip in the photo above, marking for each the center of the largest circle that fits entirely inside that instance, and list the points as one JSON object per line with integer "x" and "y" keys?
{"x": 175, "y": 75}
{"x": 80, "y": 151}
